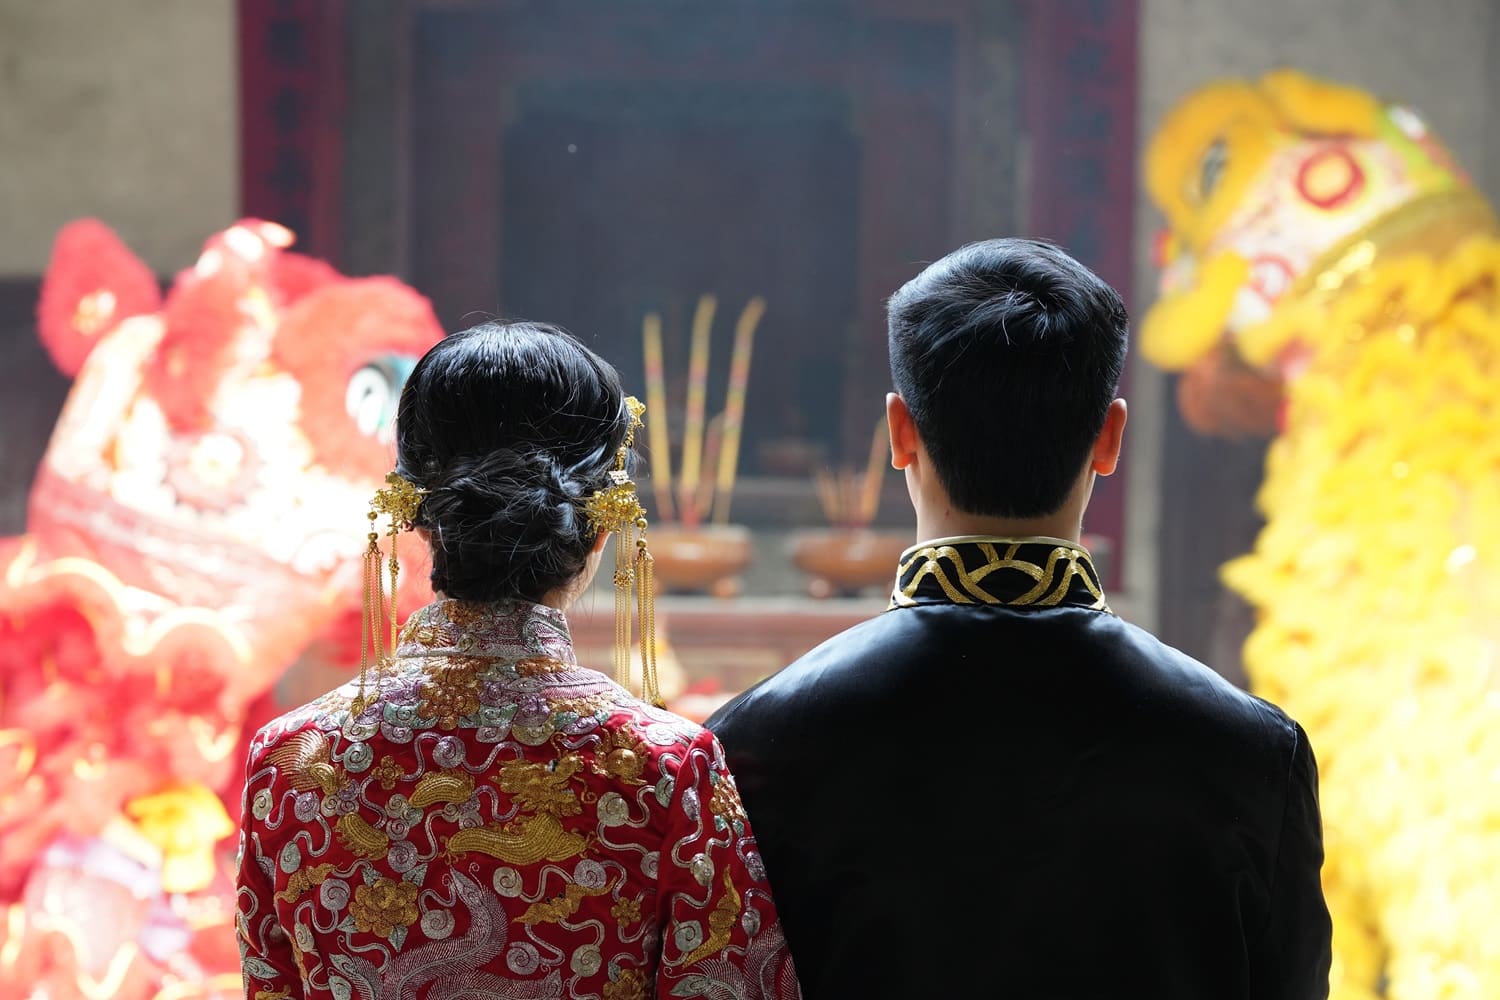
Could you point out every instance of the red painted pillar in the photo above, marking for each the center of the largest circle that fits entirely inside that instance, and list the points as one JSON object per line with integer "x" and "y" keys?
{"x": 1080, "y": 112}
{"x": 291, "y": 109}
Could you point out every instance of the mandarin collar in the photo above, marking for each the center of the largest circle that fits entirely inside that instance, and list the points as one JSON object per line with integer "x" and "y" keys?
{"x": 509, "y": 629}
{"x": 983, "y": 569}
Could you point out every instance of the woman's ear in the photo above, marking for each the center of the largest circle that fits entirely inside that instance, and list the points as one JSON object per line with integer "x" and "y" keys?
{"x": 600, "y": 540}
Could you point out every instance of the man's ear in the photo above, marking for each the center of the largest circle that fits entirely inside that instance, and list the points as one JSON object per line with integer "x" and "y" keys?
{"x": 903, "y": 431}
{"x": 1106, "y": 454}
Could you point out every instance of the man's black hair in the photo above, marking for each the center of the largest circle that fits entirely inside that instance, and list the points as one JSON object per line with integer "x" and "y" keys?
{"x": 1008, "y": 353}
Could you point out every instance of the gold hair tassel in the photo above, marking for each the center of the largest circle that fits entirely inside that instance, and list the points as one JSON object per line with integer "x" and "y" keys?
{"x": 377, "y": 644}
{"x": 645, "y": 581}
{"x": 617, "y": 508}
{"x": 624, "y": 585}
{"x": 369, "y": 628}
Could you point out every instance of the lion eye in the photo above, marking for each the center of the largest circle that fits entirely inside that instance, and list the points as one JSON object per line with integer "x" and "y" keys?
{"x": 372, "y": 393}
{"x": 1211, "y": 169}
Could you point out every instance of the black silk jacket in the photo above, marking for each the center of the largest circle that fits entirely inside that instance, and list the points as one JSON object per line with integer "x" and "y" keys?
{"x": 997, "y": 788}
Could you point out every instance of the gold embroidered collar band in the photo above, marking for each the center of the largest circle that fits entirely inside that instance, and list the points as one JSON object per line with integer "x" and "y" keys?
{"x": 980, "y": 569}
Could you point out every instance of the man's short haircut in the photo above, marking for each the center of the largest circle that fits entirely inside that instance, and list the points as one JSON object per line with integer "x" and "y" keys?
{"x": 1008, "y": 353}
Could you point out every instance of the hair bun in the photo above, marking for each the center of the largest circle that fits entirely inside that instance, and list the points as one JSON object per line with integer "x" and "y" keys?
{"x": 509, "y": 426}
{"x": 497, "y": 520}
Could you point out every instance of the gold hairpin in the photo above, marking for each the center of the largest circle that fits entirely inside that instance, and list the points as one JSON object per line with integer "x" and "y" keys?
{"x": 399, "y": 499}
{"x": 617, "y": 508}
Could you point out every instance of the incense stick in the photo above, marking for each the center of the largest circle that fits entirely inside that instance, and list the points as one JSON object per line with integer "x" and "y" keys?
{"x": 692, "y": 442}
{"x": 707, "y": 493}
{"x": 869, "y": 500}
{"x": 734, "y": 405}
{"x": 850, "y": 499}
{"x": 656, "y": 416}
{"x": 828, "y": 497}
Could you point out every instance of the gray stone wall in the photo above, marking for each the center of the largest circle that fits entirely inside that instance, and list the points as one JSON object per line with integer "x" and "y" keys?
{"x": 1437, "y": 57}
{"x": 121, "y": 109}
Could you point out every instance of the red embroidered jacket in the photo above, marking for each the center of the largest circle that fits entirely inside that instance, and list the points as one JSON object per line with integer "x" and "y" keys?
{"x": 498, "y": 822}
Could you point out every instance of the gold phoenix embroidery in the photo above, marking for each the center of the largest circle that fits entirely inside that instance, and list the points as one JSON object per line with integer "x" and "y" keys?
{"x": 360, "y": 838}
{"x": 526, "y": 840}
{"x": 442, "y": 786}
{"x": 304, "y": 760}
{"x": 523, "y": 841}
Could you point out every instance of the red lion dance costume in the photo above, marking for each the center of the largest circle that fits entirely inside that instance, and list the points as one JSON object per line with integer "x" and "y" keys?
{"x": 196, "y": 524}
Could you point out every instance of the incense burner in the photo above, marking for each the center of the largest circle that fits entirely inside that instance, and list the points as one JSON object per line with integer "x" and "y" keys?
{"x": 842, "y": 562}
{"x": 706, "y": 558}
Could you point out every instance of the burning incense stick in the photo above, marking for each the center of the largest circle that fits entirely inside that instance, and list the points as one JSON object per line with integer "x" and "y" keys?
{"x": 838, "y": 496}
{"x": 850, "y": 499}
{"x": 828, "y": 496}
{"x": 692, "y": 442}
{"x": 734, "y": 406}
{"x": 656, "y": 417}
{"x": 713, "y": 447}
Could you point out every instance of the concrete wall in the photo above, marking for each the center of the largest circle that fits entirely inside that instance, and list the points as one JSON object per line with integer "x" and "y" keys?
{"x": 121, "y": 109}
{"x": 1440, "y": 58}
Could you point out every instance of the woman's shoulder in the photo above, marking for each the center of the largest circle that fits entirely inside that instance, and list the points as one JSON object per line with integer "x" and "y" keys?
{"x": 574, "y": 705}
{"x": 659, "y": 737}
{"x": 664, "y": 727}
{"x": 322, "y": 716}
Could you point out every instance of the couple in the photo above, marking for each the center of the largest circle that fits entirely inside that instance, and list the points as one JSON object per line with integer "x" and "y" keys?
{"x": 994, "y": 788}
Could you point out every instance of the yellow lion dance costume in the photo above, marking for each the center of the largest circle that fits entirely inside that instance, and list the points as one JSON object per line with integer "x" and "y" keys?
{"x": 1323, "y": 243}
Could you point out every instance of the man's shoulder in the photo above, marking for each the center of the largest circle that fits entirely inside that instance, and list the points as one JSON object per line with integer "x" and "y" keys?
{"x": 1196, "y": 697}
{"x": 831, "y": 665}
{"x": 1091, "y": 655}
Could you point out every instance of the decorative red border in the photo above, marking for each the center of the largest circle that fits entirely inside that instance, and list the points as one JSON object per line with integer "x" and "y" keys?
{"x": 1079, "y": 105}
{"x": 1079, "y": 94}
{"x": 291, "y": 108}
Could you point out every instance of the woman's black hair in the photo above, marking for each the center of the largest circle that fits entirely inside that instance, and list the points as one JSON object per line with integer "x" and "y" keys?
{"x": 508, "y": 426}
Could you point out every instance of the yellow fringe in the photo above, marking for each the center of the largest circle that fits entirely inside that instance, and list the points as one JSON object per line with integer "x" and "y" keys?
{"x": 1377, "y": 582}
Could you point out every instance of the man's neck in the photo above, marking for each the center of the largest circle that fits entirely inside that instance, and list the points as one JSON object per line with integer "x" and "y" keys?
{"x": 937, "y": 517}
{"x": 1065, "y": 524}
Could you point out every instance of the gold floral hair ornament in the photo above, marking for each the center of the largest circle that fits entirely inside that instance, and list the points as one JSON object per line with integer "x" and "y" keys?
{"x": 617, "y": 508}
{"x": 399, "y": 500}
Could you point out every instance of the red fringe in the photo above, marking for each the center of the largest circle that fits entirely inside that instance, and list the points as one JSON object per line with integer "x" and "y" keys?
{"x": 330, "y": 334}
{"x": 87, "y": 258}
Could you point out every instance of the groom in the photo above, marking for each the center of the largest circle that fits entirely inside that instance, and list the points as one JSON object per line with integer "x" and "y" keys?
{"x": 997, "y": 787}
